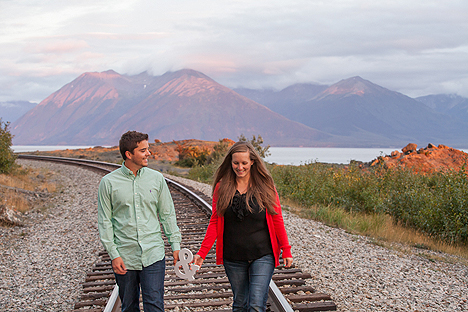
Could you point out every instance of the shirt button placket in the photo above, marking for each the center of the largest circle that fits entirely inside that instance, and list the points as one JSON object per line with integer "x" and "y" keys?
{"x": 137, "y": 209}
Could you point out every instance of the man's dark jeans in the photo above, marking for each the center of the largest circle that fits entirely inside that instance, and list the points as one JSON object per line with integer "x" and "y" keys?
{"x": 151, "y": 280}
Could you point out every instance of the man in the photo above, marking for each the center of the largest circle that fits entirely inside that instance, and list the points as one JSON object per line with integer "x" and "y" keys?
{"x": 132, "y": 200}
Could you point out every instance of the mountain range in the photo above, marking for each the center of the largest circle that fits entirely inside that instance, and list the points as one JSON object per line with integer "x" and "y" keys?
{"x": 12, "y": 110}
{"x": 370, "y": 115}
{"x": 96, "y": 108}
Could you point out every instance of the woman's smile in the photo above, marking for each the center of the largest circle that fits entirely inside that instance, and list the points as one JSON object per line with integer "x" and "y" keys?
{"x": 241, "y": 164}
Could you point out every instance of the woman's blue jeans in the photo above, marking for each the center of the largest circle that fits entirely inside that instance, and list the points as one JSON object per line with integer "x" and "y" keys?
{"x": 250, "y": 281}
{"x": 151, "y": 280}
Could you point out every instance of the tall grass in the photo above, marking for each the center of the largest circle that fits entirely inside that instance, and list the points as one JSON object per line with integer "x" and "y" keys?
{"x": 435, "y": 204}
{"x": 382, "y": 228}
{"x": 204, "y": 173}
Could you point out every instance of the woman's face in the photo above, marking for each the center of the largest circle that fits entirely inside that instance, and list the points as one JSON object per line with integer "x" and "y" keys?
{"x": 241, "y": 164}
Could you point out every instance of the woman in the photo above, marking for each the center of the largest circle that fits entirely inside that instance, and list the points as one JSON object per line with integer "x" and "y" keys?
{"x": 248, "y": 225}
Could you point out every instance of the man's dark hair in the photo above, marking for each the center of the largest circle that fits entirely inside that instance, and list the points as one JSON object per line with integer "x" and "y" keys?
{"x": 129, "y": 141}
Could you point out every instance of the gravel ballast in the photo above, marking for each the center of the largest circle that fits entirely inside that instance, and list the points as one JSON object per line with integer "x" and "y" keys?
{"x": 43, "y": 263}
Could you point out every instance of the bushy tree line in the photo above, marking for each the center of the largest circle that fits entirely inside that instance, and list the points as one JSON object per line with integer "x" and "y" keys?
{"x": 204, "y": 171}
{"x": 190, "y": 156}
{"x": 435, "y": 203}
{"x": 7, "y": 157}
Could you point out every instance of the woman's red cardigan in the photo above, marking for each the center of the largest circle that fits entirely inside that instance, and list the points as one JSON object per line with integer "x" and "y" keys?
{"x": 278, "y": 236}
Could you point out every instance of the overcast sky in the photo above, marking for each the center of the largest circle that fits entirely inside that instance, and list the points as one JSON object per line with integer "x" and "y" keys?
{"x": 416, "y": 47}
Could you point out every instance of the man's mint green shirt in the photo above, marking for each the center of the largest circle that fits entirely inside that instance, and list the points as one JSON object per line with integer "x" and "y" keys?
{"x": 130, "y": 209}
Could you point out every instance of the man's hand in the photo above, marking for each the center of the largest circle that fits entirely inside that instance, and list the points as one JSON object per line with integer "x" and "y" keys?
{"x": 118, "y": 266}
{"x": 175, "y": 254}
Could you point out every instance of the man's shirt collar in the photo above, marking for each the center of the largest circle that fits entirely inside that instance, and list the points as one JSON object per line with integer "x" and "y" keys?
{"x": 129, "y": 173}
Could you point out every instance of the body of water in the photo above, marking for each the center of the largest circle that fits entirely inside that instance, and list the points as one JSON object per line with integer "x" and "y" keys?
{"x": 303, "y": 155}
{"x": 279, "y": 155}
{"x": 42, "y": 148}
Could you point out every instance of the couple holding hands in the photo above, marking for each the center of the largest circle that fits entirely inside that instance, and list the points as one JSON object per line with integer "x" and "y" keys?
{"x": 246, "y": 223}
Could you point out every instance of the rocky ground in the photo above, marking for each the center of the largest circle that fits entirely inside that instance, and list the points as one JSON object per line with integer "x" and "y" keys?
{"x": 43, "y": 262}
{"x": 431, "y": 158}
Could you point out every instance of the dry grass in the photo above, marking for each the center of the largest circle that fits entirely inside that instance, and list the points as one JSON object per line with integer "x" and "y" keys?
{"x": 33, "y": 180}
{"x": 16, "y": 201}
{"x": 29, "y": 179}
{"x": 384, "y": 231}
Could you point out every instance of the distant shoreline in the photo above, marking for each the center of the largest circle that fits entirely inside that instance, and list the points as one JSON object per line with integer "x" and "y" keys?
{"x": 279, "y": 155}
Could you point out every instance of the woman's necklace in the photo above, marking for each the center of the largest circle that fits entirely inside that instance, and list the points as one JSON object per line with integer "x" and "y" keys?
{"x": 242, "y": 186}
{"x": 242, "y": 190}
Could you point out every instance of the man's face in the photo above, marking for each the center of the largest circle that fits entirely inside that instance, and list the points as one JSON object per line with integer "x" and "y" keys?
{"x": 140, "y": 155}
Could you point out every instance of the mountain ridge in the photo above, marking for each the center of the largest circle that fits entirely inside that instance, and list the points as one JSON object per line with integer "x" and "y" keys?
{"x": 96, "y": 107}
{"x": 12, "y": 110}
{"x": 365, "y": 112}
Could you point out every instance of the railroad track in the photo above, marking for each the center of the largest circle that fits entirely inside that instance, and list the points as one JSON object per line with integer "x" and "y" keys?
{"x": 210, "y": 291}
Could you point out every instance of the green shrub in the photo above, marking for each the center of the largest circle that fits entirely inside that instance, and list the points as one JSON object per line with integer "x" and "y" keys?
{"x": 7, "y": 157}
{"x": 257, "y": 142}
{"x": 436, "y": 204}
{"x": 203, "y": 173}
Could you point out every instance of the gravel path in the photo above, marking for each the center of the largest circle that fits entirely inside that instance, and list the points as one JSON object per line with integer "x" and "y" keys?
{"x": 43, "y": 263}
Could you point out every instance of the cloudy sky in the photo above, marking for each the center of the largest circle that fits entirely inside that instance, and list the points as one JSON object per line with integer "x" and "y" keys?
{"x": 416, "y": 47}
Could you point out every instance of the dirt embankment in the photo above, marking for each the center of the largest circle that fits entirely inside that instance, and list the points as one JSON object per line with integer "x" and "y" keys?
{"x": 163, "y": 154}
{"x": 161, "y": 151}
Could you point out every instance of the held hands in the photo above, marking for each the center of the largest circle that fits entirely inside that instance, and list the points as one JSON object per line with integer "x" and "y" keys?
{"x": 197, "y": 260}
{"x": 118, "y": 266}
{"x": 287, "y": 262}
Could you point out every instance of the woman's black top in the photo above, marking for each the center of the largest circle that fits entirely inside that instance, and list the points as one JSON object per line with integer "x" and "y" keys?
{"x": 246, "y": 235}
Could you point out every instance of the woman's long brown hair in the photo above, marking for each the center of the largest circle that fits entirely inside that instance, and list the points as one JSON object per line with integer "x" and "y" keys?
{"x": 261, "y": 185}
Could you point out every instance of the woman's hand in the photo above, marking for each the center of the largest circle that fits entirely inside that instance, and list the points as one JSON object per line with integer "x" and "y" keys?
{"x": 287, "y": 262}
{"x": 197, "y": 260}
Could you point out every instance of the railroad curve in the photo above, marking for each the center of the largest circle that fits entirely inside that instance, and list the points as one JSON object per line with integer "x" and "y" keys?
{"x": 210, "y": 291}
